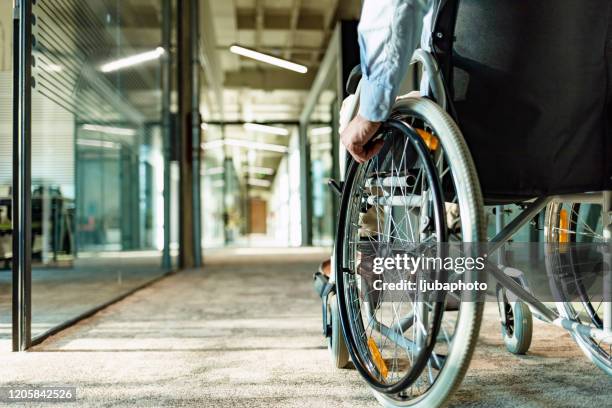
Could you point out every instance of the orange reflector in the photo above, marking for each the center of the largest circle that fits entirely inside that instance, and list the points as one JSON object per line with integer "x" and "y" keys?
{"x": 430, "y": 140}
{"x": 377, "y": 357}
{"x": 563, "y": 226}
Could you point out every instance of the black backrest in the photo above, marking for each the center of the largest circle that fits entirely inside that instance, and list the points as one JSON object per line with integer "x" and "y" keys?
{"x": 530, "y": 81}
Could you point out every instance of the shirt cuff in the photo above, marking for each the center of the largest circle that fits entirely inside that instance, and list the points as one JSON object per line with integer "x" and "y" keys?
{"x": 375, "y": 101}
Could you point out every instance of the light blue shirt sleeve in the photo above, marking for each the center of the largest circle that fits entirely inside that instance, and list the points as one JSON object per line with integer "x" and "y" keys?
{"x": 389, "y": 32}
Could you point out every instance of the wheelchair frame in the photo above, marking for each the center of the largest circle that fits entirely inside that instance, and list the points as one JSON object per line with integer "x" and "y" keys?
{"x": 534, "y": 207}
{"x": 515, "y": 285}
{"x": 439, "y": 94}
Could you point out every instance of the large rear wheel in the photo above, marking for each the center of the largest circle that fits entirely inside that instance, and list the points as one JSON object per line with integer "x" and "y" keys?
{"x": 578, "y": 274}
{"x": 419, "y": 191}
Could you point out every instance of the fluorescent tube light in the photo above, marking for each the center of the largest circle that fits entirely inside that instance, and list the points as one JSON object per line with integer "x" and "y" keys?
{"x": 110, "y": 129}
{"x": 273, "y": 130}
{"x": 256, "y": 145}
{"x": 259, "y": 182}
{"x": 133, "y": 60}
{"x": 321, "y": 131}
{"x": 248, "y": 144}
{"x": 103, "y": 144}
{"x": 261, "y": 170}
{"x": 269, "y": 59}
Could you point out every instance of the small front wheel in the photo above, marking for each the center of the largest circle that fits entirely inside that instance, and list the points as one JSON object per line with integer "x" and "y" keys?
{"x": 336, "y": 344}
{"x": 517, "y": 324}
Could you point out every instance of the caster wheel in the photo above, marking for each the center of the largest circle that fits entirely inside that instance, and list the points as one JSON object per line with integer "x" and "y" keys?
{"x": 336, "y": 344}
{"x": 517, "y": 325}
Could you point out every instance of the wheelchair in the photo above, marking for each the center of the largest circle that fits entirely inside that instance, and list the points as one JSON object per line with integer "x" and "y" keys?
{"x": 482, "y": 134}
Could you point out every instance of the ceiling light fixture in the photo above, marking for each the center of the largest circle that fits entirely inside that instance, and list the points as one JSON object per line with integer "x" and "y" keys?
{"x": 256, "y": 145}
{"x": 259, "y": 182}
{"x": 133, "y": 60}
{"x": 273, "y": 130}
{"x": 248, "y": 144}
{"x": 268, "y": 59}
{"x": 110, "y": 130}
{"x": 321, "y": 131}
{"x": 261, "y": 170}
{"x": 103, "y": 144}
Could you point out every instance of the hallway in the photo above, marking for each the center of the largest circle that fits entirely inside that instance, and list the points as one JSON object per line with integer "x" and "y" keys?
{"x": 248, "y": 335}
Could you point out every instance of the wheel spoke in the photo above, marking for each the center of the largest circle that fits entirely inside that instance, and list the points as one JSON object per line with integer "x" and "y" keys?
{"x": 398, "y": 335}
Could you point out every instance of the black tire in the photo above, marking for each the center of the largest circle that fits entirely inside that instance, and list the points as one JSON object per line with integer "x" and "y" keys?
{"x": 466, "y": 321}
{"x": 517, "y": 330}
{"x": 335, "y": 343}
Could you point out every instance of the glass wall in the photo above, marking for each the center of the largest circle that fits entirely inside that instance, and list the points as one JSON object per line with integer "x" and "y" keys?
{"x": 284, "y": 220}
{"x": 250, "y": 186}
{"x": 214, "y": 169}
{"x": 319, "y": 121}
{"x": 97, "y": 154}
{"x": 6, "y": 163}
{"x": 320, "y": 131}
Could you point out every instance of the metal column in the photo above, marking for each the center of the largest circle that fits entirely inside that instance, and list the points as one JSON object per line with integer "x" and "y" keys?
{"x": 22, "y": 175}
{"x": 194, "y": 39}
{"x": 335, "y": 141}
{"x": 184, "y": 130}
{"x": 305, "y": 186}
{"x": 166, "y": 83}
{"x": 226, "y": 169}
{"x": 499, "y": 226}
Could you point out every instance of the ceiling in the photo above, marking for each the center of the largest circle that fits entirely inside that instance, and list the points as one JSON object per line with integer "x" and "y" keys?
{"x": 244, "y": 89}
{"x": 236, "y": 89}
{"x": 297, "y": 30}
{"x": 252, "y": 91}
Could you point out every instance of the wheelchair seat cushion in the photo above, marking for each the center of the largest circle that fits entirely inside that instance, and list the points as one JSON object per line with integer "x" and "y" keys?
{"x": 532, "y": 84}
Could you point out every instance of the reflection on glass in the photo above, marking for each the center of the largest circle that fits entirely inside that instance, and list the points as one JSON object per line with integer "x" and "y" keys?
{"x": 320, "y": 134}
{"x": 321, "y": 171}
{"x": 97, "y": 153}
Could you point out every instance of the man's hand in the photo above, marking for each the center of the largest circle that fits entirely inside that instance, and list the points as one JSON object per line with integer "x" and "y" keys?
{"x": 357, "y": 135}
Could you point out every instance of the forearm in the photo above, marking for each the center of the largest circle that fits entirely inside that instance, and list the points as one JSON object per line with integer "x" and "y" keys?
{"x": 389, "y": 32}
